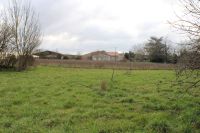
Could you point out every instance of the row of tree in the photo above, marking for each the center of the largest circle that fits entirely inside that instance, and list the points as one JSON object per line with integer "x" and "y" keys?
{"x": 20, "y": 35}
{"x": 155, "y": 50}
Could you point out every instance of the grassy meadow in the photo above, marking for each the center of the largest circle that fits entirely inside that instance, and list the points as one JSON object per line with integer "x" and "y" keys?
{"x": 67, "y": 100}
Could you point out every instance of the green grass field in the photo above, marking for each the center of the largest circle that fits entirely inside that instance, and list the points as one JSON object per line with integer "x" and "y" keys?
{"x": 62, "y": 100}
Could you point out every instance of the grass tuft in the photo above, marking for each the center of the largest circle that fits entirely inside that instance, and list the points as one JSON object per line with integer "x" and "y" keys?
{"x": 159, "y": 126}
{"x": 69, "y": 105}
{"x": 104, "y": 85}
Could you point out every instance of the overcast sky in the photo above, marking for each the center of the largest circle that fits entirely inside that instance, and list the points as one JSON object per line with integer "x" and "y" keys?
{"x": 72, "y": 26}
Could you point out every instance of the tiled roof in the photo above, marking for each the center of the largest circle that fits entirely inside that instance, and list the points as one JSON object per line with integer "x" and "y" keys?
{"x": 113, "y": 53}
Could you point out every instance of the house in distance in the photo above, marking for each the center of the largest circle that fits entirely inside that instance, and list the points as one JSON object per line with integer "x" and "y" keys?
{"x": 103, "y": 56}
{"x": 49, "y": 55}
{"x": 93, "y": 56}
{"x": 55, "y": 55}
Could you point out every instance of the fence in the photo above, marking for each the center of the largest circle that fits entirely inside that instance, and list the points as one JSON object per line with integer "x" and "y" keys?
{"x": 104, "y": 64}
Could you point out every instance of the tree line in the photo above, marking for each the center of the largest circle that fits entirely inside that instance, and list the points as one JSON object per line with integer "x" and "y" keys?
{"x": 20, "y": 35}
{"x": 155, "y": 50}
{"x": 188, "y": 57}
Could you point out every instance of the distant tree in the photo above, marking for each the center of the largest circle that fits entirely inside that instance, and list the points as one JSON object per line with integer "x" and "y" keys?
{"x": 174, "y": 58}
{"x": 139, "y": 53}
{"x": 141, "y": 57}
{"x": 167, "y": 53}
{"x": 156, "y": 49}
{"x": 129, "y": 56}
{"x": 126, "y": 55}
{"x": 66, "y": 58}
{"x": 78, "y": 57}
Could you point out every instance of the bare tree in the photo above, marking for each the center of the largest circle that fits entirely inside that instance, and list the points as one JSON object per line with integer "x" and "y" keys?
{"x": 5, "y": 37}
{"x": 25, "y": 29}
{"x": 189, "y": 24}
{"x": 7, "y": 60}
{"x": 140, "y": 53}
{"x": 188, "y": 67}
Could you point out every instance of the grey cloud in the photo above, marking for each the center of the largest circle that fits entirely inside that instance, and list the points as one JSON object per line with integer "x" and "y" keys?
{"x": 58, "y": 17}
{"x": 94, "y": 33}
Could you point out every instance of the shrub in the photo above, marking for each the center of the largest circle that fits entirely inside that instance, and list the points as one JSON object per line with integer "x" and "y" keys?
{"x": 23, "y": 62}
{"x": 20, "y": 63}
{"x": 8, "y": 62}
{"x": 78, "y": 57}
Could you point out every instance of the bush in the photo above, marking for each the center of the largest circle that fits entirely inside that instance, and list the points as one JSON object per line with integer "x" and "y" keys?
{"x": 78, "y": 57}
{"x": 20, "y": 63}
{"x": 23, "y": 62}
{"x": 8, "y": 63}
